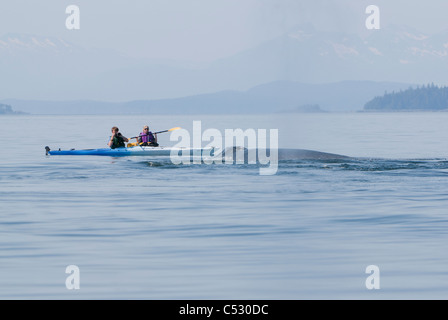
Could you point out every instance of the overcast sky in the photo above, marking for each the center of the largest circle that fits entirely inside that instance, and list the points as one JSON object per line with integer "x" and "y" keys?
{"x": 205, "y": 30}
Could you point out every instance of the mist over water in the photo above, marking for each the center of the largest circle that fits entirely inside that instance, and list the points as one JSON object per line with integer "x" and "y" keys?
{"x": 144, "y": 228}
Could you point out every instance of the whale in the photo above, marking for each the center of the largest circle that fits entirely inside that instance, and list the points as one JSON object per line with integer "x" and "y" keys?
{"x": 245, "y": 155}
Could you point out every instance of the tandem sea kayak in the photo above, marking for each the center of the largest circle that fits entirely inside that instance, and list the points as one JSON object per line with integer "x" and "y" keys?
{"x": 132, "y": 151}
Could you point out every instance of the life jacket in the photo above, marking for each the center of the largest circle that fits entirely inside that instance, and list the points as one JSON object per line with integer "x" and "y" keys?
{"x": 118, "y": 142}
{"x": 149, "y": 137}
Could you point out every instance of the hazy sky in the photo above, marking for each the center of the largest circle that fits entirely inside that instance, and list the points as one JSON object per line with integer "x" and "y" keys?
{"x": 204, "y": 30}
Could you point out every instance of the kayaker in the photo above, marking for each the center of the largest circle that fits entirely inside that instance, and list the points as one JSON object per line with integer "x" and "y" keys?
{"x": 147, "y": 138}
{"x": 117, "y": 140}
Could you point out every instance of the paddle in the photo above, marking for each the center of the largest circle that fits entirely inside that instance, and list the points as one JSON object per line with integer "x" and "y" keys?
{"x": 172, "y": 129}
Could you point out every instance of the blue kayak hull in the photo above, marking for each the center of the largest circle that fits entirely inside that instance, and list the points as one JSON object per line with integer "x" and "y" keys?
{"x": 132, "y": 151}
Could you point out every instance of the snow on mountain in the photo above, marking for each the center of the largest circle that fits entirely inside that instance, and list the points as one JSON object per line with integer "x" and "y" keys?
{"x": 25, "y": 43}
{"x": 304, "y": 54}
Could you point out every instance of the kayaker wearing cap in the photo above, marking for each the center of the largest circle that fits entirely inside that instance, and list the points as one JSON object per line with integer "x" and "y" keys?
{"x": 147, "y": 138}
{"x": 117, "y": 140}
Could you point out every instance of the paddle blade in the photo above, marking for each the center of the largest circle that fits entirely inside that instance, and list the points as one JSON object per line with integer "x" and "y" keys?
{"x": 172, "y": 129}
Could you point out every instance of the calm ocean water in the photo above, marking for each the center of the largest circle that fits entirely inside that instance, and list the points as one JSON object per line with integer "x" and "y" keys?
{"x": 142, "y": 228}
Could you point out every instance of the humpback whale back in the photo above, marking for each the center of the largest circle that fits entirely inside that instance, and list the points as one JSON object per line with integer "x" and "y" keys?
{"x": 245, "y": 155}
{"x": 302, "y": 154}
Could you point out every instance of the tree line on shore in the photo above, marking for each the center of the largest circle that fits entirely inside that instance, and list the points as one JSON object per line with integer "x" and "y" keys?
{"x": 422, "y": 98}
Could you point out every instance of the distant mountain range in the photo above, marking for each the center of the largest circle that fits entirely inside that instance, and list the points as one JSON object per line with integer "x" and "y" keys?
{"x": 278, "y": 96}
{"x": 50, "y": 69}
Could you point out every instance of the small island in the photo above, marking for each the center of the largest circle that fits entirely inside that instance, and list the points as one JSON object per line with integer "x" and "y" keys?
{"x": 7, "y": 109}
{"x": 425, "y": 98}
